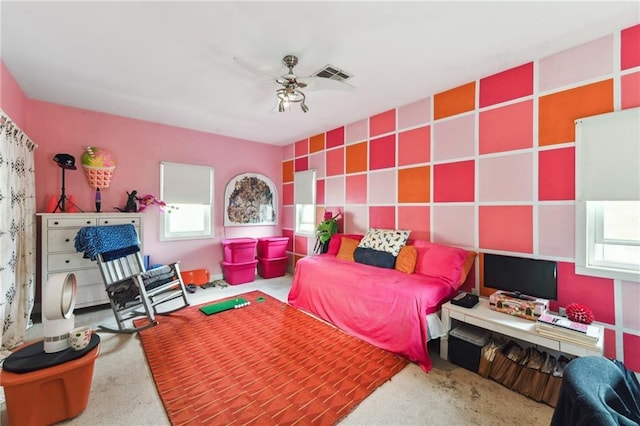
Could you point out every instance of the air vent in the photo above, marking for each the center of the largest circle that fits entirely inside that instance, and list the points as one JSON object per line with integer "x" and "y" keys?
{"x": 333, "y": 73}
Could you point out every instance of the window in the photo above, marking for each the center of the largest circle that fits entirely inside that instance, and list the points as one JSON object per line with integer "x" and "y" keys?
{"x": 304, "y": 197}
{"x": 188, "y": 191}
{"x": 607, "y": 238}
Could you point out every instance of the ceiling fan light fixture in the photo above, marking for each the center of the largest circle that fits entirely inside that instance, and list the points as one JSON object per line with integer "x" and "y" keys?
{"x": 304, "y": 107}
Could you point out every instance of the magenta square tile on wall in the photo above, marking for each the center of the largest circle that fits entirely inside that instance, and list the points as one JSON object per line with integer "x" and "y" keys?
{"x": 506, "y": 128}
{"x": 507, "y": 228}
{"x": 320, "y": 191}
{"x": 287, "y": 194}
{"x": 383, "y": 217}
{"x": 630, "y": 49}
{"x": 610, "y": 350}
{"x": 454, "y": 182}
{"x": 414, "y": 146}
{"x": 356, "y": 189}
{"x": 556, "y": 174}
{"x": 507, "y": 85}
{"x": 288, "y": 233}
{"x": 382, "y": 152}
{"x": 594, "y": 292}
{"x": 301, "y": 164}
{"x": 335, "y": 137}
{"x": 631, "y": 351}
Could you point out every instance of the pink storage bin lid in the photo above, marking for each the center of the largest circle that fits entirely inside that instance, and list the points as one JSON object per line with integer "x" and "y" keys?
{"x": 237, "y": 264}
{"x": 230, "y": 241}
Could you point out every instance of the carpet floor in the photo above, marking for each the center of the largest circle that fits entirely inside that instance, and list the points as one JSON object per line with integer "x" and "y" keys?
{"x": 266, "y": 363}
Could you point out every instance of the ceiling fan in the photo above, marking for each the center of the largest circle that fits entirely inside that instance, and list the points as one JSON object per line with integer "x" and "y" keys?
{"x": 328, "y": 77}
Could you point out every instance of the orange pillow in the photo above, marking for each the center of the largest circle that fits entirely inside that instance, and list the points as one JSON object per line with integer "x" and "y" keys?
{"x": 347, "y": 247}
{"x": 466, "y": 266}
{"x": 406, "y": 260}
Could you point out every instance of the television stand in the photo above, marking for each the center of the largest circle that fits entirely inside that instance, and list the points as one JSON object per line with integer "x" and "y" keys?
{"x": 482, "y": 316}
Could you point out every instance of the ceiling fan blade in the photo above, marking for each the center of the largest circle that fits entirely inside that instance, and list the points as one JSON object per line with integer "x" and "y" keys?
{"x": 255, "y": 70}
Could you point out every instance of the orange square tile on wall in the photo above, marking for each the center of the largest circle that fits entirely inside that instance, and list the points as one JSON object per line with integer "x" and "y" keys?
{"x": 558, "y": 111}
{"x": 556, "y": 174}
{"x": 508, "y": 228}
{"x": 414, "y": 184}
{"x": 382, "y": 217}
{"x": 414, "y": 146}
{"x": 382, "y": 123}
{"x": 316, "y": 143}
{"x": 455, "y": 101}
{"x": 356, "y": 160}
{"x": 454, "y": 182}
{"x": 287, "y": 171}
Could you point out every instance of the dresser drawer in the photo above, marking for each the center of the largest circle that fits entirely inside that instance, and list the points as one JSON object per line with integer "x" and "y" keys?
{"x": 84, "y": 277}
{"x": 135, "y": 221}
{"x": 68, "y": 261}
{"x": 59, "y": 240}
{"x": 65, "y": 222}
{"x": 92, "y": 294}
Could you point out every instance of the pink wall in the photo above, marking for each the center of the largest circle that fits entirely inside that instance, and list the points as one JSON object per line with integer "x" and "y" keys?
{"x": 139, "y": 147}
{"x": 12, "y": 100}
{"x": 492, "y": 184}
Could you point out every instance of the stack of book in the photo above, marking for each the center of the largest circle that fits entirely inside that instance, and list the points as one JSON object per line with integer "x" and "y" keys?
{"x": 555, "y": 326}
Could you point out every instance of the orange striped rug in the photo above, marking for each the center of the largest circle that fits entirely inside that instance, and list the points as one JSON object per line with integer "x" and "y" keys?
{"x": 267, "y": 363}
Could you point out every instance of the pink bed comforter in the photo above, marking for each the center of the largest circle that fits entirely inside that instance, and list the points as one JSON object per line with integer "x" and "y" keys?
{"x": 384, "y": 307}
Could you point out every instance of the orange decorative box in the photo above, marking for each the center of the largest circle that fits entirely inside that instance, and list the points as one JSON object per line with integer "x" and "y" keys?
{"x": 518, "y": 305}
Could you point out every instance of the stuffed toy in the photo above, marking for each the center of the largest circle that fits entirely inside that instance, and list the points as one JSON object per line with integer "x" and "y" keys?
{"x": 150, "y": 200}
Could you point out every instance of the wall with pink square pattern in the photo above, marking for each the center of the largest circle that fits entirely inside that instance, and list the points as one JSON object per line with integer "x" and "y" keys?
{"x": 500, "y": 174}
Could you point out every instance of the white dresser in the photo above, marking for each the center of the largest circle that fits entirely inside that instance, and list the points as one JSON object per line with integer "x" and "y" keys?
{"x": 58, "y": 253}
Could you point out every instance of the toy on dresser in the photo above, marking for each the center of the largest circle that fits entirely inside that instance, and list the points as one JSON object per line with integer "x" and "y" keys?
{"x": 518, "y": 305}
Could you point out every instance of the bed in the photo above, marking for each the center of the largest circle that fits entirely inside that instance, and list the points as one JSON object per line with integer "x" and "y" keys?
{"x": 385, "y": 307}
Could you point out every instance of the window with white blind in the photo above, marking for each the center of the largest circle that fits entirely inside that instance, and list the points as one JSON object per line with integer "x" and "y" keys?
{"x": 608, "y": 195}
{"x": 188, "y": 191}
{"x": 304, "y": 197}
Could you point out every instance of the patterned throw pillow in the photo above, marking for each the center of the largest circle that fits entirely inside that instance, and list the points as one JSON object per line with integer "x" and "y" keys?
{"x": 388, "y": 240}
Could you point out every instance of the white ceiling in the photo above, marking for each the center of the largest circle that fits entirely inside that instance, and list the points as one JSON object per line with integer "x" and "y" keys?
{"x": 173, "y": 62}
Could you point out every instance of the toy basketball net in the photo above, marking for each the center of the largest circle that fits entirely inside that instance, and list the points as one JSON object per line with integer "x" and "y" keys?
{"x": 98, "y": 177}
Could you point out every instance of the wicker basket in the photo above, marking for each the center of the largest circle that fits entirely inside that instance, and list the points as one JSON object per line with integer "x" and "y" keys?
{"x": 98, "y": 177}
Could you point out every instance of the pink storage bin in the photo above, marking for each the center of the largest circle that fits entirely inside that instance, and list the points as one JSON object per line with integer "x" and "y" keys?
{"x": 239, "y": 273}
{"x": 271, "y": 268}
{"x": 272, "y": 247}
{"x": 239, "y": 250}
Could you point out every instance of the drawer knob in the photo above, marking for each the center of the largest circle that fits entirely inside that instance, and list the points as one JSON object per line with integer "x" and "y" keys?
{"x": 56, "y": 223}
{"x": 106, "y": 221}
{"x": 66, "y": 240}
{"x": 66, "y": 261}
{"x": 88, "y": 222}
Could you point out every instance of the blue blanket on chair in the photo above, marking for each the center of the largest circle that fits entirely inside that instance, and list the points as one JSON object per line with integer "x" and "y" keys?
{"x": 94, "y": 240}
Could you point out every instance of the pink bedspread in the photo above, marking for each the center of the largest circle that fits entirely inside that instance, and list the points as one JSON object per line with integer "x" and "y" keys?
{"x": 384, "y": 307}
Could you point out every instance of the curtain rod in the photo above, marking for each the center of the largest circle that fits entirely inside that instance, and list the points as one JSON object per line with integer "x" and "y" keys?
{"x": 6, "y": 121}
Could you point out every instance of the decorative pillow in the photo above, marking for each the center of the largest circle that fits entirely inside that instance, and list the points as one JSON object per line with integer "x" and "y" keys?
{"x": 347, "y": 247}
{"x": 388, "y": 240}
{"x": 443, "y": 262}
{"x": 422, "y": 247}
{"x": 372, "y": 257}
{"x": 466, "y": 266}
{"x": 336, "y": 239}
{"x": 406, "y": 260}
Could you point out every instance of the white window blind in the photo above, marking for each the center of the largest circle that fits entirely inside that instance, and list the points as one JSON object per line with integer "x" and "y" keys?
{"x": 186, "y": 183}
{"x": 304, "y": 187}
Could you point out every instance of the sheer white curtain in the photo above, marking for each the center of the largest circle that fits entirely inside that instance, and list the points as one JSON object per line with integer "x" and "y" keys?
{"x": 17, "y": 233}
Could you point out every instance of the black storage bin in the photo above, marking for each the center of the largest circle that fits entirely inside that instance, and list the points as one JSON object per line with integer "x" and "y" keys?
{"x": 465, "y": 345}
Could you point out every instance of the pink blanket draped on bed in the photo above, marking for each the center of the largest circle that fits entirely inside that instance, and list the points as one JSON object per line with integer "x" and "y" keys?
{"x": 384, "y": 307}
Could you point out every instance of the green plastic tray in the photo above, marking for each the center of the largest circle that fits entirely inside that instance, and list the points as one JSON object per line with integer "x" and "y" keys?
{"x": 214, "y": 308}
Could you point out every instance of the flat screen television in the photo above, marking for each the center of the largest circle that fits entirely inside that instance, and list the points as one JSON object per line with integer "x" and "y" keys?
{"x": 528, "y": 277}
